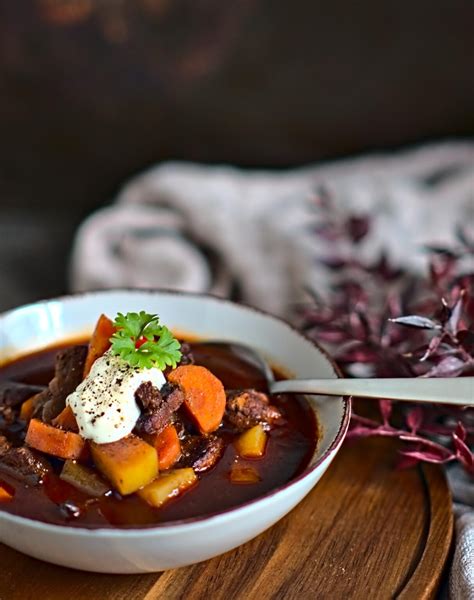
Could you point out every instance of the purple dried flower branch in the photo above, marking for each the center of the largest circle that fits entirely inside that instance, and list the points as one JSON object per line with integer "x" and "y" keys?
{"x": 382, "y": 321}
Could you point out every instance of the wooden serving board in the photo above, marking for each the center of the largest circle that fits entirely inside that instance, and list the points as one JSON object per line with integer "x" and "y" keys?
{"x": 365, "y": 531}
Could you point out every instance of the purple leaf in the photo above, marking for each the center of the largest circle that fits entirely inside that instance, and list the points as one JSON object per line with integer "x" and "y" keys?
{"x": 451, "y": 366}
{"x": 357, "y": 228}
{"x": 364, "y": 421}
{"x": 359, "y": 431}
{"x": 358, "y": 353}
{"x": 456, "y": 312}
{"x": 469, "y": 308}
{"x": 352, "y": 292}
{"x": 423, "y": 442}
{"x": 384, "y": 270}
{"x": 466, "y": 339}
{"x": 441, "y": 267}
{"x": 432, "y": 348}
{"x": 463, "y": 453}
{"x": 437, "y": 339}
{"x": 446, "y": 430}
{"x": 385, "y": 407}
{"x": 460, "y": 431}
{"x": 417, "y": 321}
{"x": 444, "y": 313}
{"x": 414, "y": 418}
{"x": 427, "y": 456}
{"x": 367, "y": 329}
{"x": 332, "y": 335}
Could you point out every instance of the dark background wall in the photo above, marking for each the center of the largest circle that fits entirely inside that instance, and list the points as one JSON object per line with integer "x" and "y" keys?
{"x": 93, "y": 90}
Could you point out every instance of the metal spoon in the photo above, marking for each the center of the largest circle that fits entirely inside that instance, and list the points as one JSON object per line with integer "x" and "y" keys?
{"x": 436, "y": 390}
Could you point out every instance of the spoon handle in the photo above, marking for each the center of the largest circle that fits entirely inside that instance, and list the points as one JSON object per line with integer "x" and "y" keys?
{"x": 454, "y": 390}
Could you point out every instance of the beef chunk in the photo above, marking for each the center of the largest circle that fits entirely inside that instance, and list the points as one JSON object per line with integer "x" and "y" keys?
{"x": 23, "y": 463}
{"x": 12, "y": 396}
{"x": 246, "y": 408}
{"x": 158, "y": 406}
{"x": 201, "y": 452}
{"x": 187, "y": 357}
{"x": 68, "y": 375}
{"x": 148, "y": 397}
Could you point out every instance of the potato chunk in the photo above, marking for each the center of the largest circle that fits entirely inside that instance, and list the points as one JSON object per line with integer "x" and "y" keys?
{"x": 129, "y": 463}
{"x": 251, "y": 443}
{"x": 168, "y": 485}
{"x": 244, "y": 475}
{"x": 84, "y": 479}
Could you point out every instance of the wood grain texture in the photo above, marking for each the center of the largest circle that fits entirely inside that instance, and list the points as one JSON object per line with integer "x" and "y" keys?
{"x": 366, "y": 531}
{"x": 425, "y": 581}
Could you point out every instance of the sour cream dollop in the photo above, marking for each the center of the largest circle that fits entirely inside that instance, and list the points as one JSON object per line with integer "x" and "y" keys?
{"x": 104, "y": 403}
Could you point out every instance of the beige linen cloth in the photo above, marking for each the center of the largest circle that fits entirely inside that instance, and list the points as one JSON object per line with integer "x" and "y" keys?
{"x": 249, "y": 234}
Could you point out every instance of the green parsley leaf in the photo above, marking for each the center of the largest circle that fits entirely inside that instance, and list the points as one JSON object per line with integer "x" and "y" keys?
{"x": 142, "y": 342}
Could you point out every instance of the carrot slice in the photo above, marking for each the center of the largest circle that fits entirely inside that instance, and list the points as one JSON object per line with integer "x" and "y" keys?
{"x": 167, "y": 445}
{"x": 28, "y": 407}
{"x": 66, "y": 420}
{"x": 204, "y": 395}
{"x": 99, "y": 342}
{"x": 5, "y": 496}
{"x": 51, "y": 440}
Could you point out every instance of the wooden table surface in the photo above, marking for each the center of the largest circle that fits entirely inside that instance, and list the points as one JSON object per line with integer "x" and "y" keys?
{"x": 365, "y": 531}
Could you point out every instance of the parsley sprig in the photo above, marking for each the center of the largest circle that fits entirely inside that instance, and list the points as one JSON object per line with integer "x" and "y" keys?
{"x": 142, "y": 342}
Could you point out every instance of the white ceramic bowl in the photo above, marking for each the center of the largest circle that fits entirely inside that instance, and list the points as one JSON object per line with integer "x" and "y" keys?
{"x": 180, "y": 543}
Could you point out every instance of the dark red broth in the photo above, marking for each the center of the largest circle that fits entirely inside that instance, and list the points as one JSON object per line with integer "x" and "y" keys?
{"x": 288, "y": 451}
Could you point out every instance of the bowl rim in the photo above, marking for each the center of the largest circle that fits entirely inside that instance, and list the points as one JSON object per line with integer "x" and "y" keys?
{"x": 196, "y": 521}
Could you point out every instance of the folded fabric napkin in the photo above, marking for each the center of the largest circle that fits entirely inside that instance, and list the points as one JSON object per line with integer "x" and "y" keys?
{"x": 249, "y": 235}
